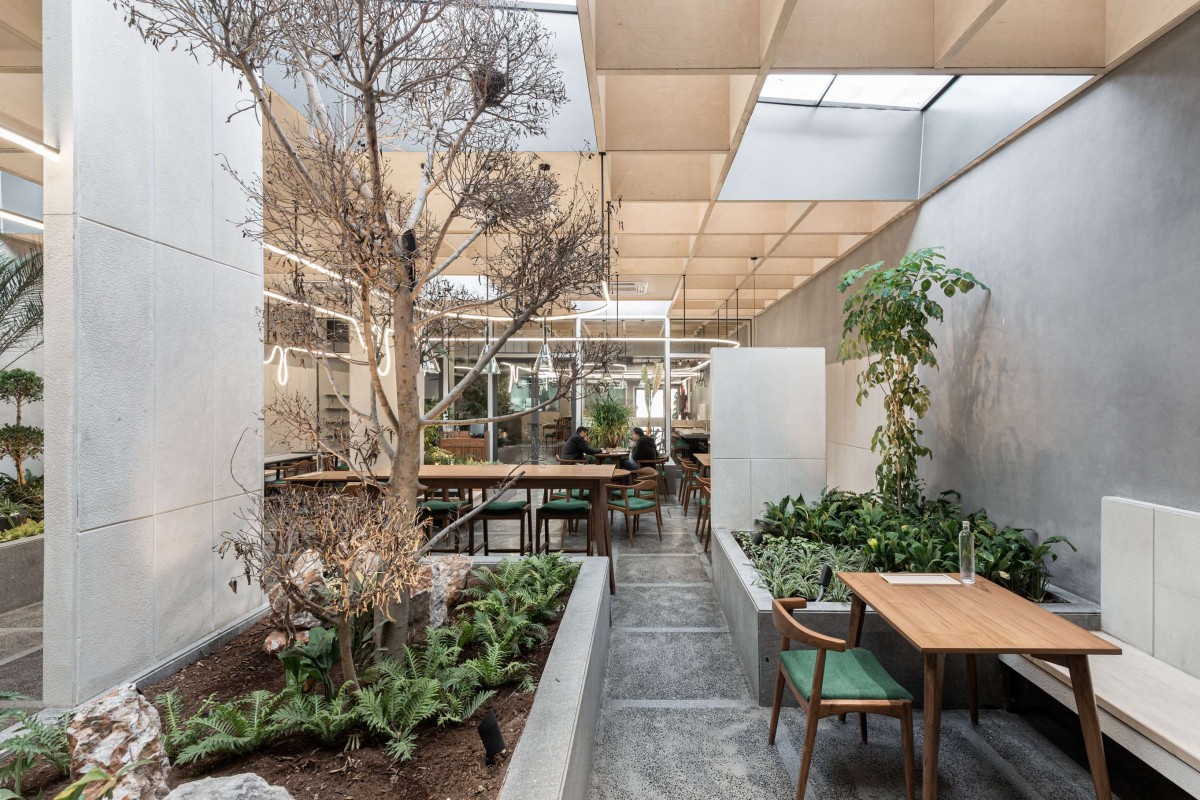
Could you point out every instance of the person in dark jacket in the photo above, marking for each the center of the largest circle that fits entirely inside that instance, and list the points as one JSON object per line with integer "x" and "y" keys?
{"x": 644, "y": 448}
{"x": 578, "y": 448}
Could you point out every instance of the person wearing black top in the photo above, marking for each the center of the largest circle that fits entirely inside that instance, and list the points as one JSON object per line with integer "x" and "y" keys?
{"x": 644, "y": 448}
{"x": 577, "y": 447}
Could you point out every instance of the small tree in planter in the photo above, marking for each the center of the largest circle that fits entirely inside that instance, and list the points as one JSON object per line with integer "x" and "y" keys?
{"x": 887, "y": 321}
{"x": 17, "y": 441}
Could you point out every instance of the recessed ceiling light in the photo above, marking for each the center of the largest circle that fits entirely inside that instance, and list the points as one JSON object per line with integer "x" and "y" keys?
{"x": 28, "y": 144}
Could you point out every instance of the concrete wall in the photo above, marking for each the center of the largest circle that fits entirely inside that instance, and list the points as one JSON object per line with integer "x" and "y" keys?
{"x": 768, "y": 429}
{"x": 1075, "y": 378}
{"x": 153, "y": 360}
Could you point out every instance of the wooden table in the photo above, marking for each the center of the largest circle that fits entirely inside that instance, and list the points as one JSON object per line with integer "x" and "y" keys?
{"x": 591, "y": 477}
{"x": 610, "y": 455}
{"x": 975, "y": 619}
{"x": 704, "y": 460}
{"x": 280, "y": 461}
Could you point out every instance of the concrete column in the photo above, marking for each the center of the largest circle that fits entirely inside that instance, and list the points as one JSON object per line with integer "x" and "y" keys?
{"x": 153, "y": 354}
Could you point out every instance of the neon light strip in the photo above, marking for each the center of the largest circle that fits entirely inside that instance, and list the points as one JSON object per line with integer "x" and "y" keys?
{"x": 45, "y": 151}
{"x": 21, "y": 219}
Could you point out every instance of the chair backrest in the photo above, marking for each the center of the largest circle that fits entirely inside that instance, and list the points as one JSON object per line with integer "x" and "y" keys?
{"x": 561, "y": 460}
{"x": 790, "y": 628}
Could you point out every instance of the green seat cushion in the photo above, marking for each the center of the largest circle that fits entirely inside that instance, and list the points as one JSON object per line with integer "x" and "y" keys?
{"x": 564, "y": 506}
{"x": 635, "y": 503}
{"x": 442, "y": 506}
{"x": 342, "y": 466}
{"x": 277, "y": 483}
{"x": 703, "y": 501}
{"x": 576, "y": 494}
{"x": 850, "y": 675}
{"x": 504, "y": 507}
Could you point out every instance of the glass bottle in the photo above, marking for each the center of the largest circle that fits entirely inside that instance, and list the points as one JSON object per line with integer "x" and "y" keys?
{"x": 966, "y": 554}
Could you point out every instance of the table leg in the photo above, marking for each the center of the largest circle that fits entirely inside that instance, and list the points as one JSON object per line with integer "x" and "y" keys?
{"x": 935, "y": 664}
{"x": 1089, "y": 720}
{"x": 598, "y": 530}
{"x": 858, "y": 610}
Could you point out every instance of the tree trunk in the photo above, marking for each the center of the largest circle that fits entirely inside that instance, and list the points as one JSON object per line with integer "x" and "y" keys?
{"x": 345, "y": 634}
{"x": 406, "y": 463}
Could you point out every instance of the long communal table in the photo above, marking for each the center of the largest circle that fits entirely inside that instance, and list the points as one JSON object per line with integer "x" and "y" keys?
{"x": 974, "y": 619}
{"x": 590, "y": 477}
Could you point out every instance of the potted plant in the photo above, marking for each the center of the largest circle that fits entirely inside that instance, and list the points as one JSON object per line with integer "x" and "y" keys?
{"x": 12, "y": 514}
{"x": 610, "y": 422}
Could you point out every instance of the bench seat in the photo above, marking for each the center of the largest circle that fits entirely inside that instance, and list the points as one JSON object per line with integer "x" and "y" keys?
{"x": 1149, "y": 707}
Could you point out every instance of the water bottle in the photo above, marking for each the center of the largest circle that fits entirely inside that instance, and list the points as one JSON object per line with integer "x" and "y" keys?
{"x": 966, "y": 554}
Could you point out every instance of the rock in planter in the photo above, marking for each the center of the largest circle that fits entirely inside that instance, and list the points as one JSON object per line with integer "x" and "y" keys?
{"x": 306, "y": 573}
{"x": 118, "y": 729}
{"x": 438, "y": 589}
{"x": 278, "y": 640}
{"x": 246, "y": 786}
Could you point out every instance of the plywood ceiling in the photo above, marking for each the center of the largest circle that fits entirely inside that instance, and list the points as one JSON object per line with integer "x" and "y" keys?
{"x": 21, "y": 84}
{"x": 674, "y": 82}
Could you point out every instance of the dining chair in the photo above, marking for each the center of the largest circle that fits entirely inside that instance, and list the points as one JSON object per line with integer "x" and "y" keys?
{"x": 704, "y": 517}
{"x": 633, "y": 500}
{"x": 571, "y": 511}
{"x": 689, "y": 485}
{"x": 441, "y": 509}
{"x": 497, "y": 510}
{"x": 659, "y": 465}
{"x": 834, "y": 679}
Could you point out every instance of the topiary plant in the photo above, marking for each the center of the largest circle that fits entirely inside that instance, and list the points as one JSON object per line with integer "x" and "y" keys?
{"x": 20, "y": 442}
{"x": 610, "y": 422}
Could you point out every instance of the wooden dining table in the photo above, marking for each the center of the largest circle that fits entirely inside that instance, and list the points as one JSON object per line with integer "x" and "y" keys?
{"x": 974, "y": 619}
{"x": 590, "y": 477}
{"x": 704, "y": 460}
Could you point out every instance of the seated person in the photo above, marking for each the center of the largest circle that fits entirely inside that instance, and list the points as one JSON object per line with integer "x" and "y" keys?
{"x": 578, "y": 447}
{"x": 644, "y": 448}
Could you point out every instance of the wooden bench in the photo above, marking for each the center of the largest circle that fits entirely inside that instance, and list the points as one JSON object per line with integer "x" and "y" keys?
{"x": 1149, "y": 696}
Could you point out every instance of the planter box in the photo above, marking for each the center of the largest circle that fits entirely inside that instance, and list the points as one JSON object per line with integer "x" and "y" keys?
{"x": 21, "y": 573}
{"x": 553, "y": 758}
{"x": 747, "y": 608}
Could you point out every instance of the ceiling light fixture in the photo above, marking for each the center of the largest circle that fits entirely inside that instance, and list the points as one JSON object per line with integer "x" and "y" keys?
{"x": 45, "y": 151}
{"x": 21, "y": 219}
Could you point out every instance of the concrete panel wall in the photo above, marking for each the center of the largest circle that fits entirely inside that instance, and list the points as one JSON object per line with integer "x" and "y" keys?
{"x": 1074, "y": 378}
{"x": 153, "y": 361}
{"x": 851, "y": 464}
{"x": 768, "y": 429}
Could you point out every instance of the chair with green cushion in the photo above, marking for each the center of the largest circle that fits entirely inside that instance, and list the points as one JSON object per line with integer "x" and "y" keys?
{"x": 834, "y": 679}
{"x": 571, "y": 511}
{"x": 633, "y": 500}
{"x": 440, "y": 509}
{"x": 519, "y": 510}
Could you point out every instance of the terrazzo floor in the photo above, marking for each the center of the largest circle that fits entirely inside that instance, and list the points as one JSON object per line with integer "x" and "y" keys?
{"x": 678, "y": 721}
{"x": 21, "y": 651}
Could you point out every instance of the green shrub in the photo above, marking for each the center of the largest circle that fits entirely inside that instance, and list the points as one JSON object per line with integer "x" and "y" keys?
{"x": 847, "y": 528}
{"x": 37, "y": 741}
{"x": 23, "y": 531}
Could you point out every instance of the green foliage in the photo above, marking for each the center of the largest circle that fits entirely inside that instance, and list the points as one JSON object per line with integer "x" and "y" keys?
{"x": 23, "y": 531}
{"x": 610, "y": 422}
{"x": 37, "y": 741}
{"x": 21, "y": 308}
{"x": 327, "y": 718}
{"x": 854, "y": 532}
{"x": 312, "y": 660}
{"x": 97, "y": 783}
{"x": 28, "y": 493}
{"x": 20, "y": 386}
{"x": 241, "y": 726}
{"x": 887, "y": 321}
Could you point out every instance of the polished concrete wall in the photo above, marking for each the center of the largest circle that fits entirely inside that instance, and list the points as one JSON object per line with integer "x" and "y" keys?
{"x": 152, "y": 355}
{"x": 1076, "y": 377}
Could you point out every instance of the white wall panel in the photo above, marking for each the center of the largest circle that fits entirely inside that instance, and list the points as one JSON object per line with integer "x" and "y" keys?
{"x": 1127, "y": 571}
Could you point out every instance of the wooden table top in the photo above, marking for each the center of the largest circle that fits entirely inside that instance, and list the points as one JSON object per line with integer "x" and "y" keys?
{"x": 493, "y": 473}
{"x": 284, "y": 458}
{"x": 703, "y": 459}
{"x": 979, "y": 618}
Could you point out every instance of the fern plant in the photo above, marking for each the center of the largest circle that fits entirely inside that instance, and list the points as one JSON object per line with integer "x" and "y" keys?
{"x": 329, "y": 720}
{"x": 37, "y": 741}
{"x": 396, "y": 704}
{"x": 241, "y": 726}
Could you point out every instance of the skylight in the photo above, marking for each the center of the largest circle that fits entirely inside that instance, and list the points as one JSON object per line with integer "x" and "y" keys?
{"x": 885, "y": 91}
{"x": 912, "y": 92}
{"x": 806, "y": 89}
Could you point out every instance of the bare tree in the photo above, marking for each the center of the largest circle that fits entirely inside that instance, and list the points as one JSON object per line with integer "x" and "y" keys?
{"x": 460, "y": 81}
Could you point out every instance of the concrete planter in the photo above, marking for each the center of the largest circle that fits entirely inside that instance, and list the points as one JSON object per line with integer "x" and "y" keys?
{"x": 553, "y": 758}
{"x": 21, "y": 573}
{"x": 747, "y": 608}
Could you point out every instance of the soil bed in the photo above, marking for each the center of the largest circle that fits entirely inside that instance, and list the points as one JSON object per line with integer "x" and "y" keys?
{"x": 448, "y": 763}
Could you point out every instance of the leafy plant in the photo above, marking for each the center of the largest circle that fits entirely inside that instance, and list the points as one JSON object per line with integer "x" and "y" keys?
{"x": 610, "y": 421}
{"x": 328, "y": 719}
{"x": 21, "y": 309}
{"x": 240, "y": 726}
{"x": 867, "y": 531}
{"x": 20, "y": 442}
{"x": 37, "y": 741}
{"x": 97, "y": 783}
{"x": 887, "y": 321}
{"x": 29, "y": 492}
{"x": 312, "y": 660}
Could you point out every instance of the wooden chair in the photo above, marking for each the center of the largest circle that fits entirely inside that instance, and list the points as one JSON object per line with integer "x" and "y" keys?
{"x": 520, "y": 510}
{"x": 689, "y": 484}
{"x": 834, "y": 679}
{"x": 571, "y": 511}
{"x": 439, "y": 509}
{"x": 704, "y": 518}
{"x": 633, "y": 500}
{"x": 659, "y": 465}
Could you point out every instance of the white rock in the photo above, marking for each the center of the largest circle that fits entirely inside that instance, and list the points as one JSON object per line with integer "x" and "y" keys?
{"x": 118, "y": 729}
{"x": 246, "y": 786}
